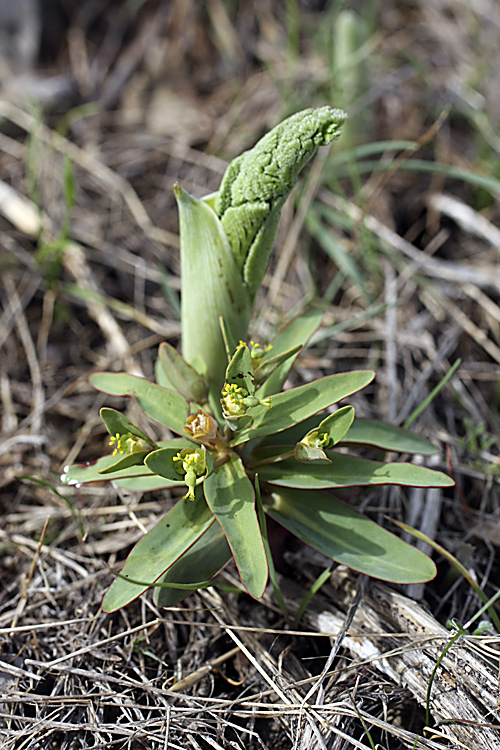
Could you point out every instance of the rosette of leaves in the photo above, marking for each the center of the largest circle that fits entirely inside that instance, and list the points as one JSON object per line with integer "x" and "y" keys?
{"x": 245, "y": 447}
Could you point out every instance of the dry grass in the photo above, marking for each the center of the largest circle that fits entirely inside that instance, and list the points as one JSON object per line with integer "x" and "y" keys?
{"x": 182, "y": 87}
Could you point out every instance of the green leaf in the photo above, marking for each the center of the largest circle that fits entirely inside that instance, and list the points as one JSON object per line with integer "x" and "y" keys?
{"x": 268, "y": 366}
{"x": 148, "y": 483}
{"x": 362, "y": 432}
{"x": 349, "y": 471}
{"x": 297, "y": 404}
{"x": 230, "y": 342}
{"x": 164, "y": 406}
{"x": 83, "y": 473}
{"x": 211, "y": 286}
{"x": 240, "y": 370}
{"x": 165, "y": 543}
{"x": 161, "y": 376}
{"x": 327, "y": 434}
{"x": 296, "y": 334}
{"x": 387, "y": 437}
{"x": 136, "y": 458}
{"x": 162, "y": 462}
{"x": 116, "y": 422}
{"x": 201, "y": 562}
{"x": 183, "y": 378}
{"x": 94, "y": 472}
{"x": 231, "y": 498}
{"x": 343, "y": 534}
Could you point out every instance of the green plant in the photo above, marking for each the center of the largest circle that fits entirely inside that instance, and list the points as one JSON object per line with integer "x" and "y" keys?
{"x": 241, "y": 435}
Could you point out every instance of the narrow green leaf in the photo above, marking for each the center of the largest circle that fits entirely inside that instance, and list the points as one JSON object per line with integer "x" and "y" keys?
{"x": 297, "y": 404}
{"x": 83, "y": 473}
{"x": 183, "y": 378}
{"x": 230, "y": 342}
{"x": 268, "y": 366}
{"x": 270, "y": 562}
{"x": 333, "y": 247}
{"x": 164, "y": 406}
{"x": 387, "y": 437}
{"x": 362, "y": 432}
{"x": 148, "y": 483}
{"x": 240, "y": 370}
{"x": 200, "y": 563}
{"x": 116, "y": 422}
{"x": 162, "y": 461}
{"x": 296, "y": 333}
{"x": 327, "y": 434}
{"x": 165, "y": 543}
{"x": 212, "y": 286}
{"x": 231, "y": 498}
{"x": 94, "y": 472}
{"x": 343, "y": 534}
{"x": 136, "y": 458}
{"x": 350, "y": 471}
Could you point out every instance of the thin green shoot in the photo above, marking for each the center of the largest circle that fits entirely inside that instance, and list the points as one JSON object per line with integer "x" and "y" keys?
{"x": 432, "y": 395}
{"x": 316, "y": 586}
{"x": 350, "y": 323}
{"x": 461, "y": 630}
{"x": 363, "y": 722}
{"x": 461, "y": 569}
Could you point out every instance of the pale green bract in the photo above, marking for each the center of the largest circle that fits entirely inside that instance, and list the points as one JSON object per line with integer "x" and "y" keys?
{"x": 246, "y": 447}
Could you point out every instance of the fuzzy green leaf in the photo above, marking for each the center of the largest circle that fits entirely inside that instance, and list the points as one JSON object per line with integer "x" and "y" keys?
{"x": 257, "y": 183}
{"x": 343, "y": 534}
{"x": 297, "y": 404}
{"x": 231, "y": 498}
{"x": 165, "y": 543}
{"x": 349, "y": 471}
{"x": 200, "y": 563}
{"x": 164, "y": 406}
